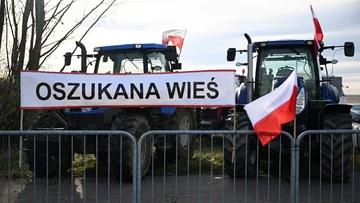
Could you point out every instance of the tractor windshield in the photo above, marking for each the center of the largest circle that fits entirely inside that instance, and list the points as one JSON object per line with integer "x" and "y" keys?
{"x": 132, "y": 62}
{"x": 280, "y": 62}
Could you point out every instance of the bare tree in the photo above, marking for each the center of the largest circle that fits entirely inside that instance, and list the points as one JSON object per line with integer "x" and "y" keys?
{"x": 27, "y": 41}
{"x": 39, "y": 20}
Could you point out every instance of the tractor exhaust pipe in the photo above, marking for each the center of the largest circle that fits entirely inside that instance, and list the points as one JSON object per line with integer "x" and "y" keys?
{"x": 250, "y": 82}
{"x": 83, "y": 56}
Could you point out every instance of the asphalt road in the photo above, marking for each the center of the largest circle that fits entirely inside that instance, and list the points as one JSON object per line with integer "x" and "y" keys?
{"x": 220, "y": 189}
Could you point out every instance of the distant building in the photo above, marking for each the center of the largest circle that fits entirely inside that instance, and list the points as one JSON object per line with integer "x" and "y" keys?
{"x": 353, "y": 99}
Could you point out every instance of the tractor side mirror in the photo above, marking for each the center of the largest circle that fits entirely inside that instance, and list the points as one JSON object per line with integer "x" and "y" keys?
{"x": 231, "y": 54}
{"x": 176, "y": 66}
{"x": 349, "y": 49}
{"x": 170, "y": 53}
{"x": 67, "y": 58}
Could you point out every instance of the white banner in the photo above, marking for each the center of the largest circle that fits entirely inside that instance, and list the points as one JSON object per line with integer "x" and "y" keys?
{"x": 46, "y": 90}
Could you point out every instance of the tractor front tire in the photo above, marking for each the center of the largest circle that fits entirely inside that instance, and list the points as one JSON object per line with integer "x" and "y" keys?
{"x": 333, "y": 144}
{"x": 245, "y": 153}
{"x": 182, "y": 119}
{"x": 136, "y": 125}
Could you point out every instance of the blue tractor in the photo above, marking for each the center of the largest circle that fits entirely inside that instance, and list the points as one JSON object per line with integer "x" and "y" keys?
{"x": 317, "y": 106}
{"x": 118, "y": 59}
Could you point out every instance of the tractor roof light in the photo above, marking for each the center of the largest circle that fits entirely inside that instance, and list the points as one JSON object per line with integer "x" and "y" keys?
{"x": 97, "y": 49}
{"x": 309, "y": 42}
{"x": 263, "y": 44}
{"x": 138, "y": 46}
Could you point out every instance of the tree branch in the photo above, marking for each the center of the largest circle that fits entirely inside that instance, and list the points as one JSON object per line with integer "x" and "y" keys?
{"x": 14, "y": 53}
{"x": 54, "y": 47}
{"x": 52, "y": 16}
{"x": 50, "y": 19}
{"x": 32, "y": 30}
{"x": 87, "y": 31}
{"x": 56, "y": 24}
{"x": 9, "y": 19}
{"x": 7, "y": 47}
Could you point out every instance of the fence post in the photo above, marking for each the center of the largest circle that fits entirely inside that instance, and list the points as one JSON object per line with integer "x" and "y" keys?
{"x": 294, "y": 184}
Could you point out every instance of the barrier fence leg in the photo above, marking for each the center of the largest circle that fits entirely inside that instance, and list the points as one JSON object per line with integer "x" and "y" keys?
{"x": 294, "y": 193}
{"x": 136, "y": 185}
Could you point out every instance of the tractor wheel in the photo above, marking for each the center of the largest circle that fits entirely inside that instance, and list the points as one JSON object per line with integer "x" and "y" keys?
{"x": 336, "y": 121}
{"x": 244, "y": 153}
{"x": 136, "y": 125}
{"x": 47, "y": 122}
{"x": 183, "y": 119}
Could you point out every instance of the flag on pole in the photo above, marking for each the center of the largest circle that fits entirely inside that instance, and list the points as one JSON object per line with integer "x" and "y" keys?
{"x": 318, "y": 37}
{"x": 175, "y": 36}
{"x": 278, "y": 107}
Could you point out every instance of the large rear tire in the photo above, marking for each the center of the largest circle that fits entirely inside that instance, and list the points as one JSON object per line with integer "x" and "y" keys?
{"x": 332, "y": 144}
{"x": 136, "y": 125}
{"x": 245, "y": 153}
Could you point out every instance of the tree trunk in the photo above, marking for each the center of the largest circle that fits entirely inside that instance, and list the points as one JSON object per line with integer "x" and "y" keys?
{"x": 40, "y": 21}
{"x": 2, "y": 18}
{"x": 28, "y": 7}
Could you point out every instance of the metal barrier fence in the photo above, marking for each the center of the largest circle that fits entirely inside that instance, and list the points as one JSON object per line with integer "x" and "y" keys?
{"x": 272, "y": 175}
{"x": 334, "y": 166}
{"x": 202, "y": 188}
{"x": 58, "y": 194}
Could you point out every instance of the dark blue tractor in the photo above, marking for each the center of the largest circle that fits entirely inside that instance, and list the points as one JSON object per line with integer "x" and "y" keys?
{"x": 119, "y": 59}
{"x": 317, "y": 106}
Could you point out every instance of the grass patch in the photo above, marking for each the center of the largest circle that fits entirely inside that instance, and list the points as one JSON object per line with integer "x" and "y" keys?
{"x": 204, "y": 159}
{"x": 15, "y": 170}
{"x": 90, "y": 161}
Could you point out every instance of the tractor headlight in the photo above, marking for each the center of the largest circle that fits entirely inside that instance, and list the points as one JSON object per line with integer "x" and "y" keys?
{"x": 300, "y": 101}
{"x": 84, "y": 110}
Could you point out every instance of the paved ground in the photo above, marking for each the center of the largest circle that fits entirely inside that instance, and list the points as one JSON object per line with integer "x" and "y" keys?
{"x": 209, "y": 192}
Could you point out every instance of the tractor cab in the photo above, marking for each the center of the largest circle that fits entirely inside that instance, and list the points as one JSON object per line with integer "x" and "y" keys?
{"x": 136, "y": 59}
{"x": 130, "y": 59}
{"x": 277, "y": 59}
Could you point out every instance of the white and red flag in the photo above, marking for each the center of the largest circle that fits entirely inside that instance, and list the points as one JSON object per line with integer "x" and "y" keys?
{"x": 318, "y": 37}
{"x": 270, "y": 111}
{"x": 175, "y": 36}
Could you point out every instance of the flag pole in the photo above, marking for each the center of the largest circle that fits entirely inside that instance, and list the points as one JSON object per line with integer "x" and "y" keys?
{"x": 295, "y": 105}
{"x": 182, "y": 45}
{"x": 295, "y": 128}
{"x": 21, "y": 137}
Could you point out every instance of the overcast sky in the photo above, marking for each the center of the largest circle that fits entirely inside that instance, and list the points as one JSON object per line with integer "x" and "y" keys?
{"x": 214, "y": 26}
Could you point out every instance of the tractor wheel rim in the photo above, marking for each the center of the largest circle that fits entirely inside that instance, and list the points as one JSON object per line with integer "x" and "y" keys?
{"x": 138, "y": 133}
{"x": 252, "y": 156}
{"x": 185, "y": 124}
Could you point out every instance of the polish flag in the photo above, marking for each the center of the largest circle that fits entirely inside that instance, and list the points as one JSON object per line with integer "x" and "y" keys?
{"x": 175, "y": 36}
{"x": 318, "y": 37}
{"x": 270, "y": 111}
